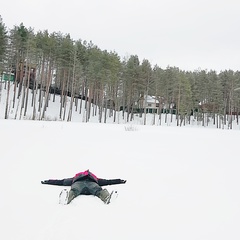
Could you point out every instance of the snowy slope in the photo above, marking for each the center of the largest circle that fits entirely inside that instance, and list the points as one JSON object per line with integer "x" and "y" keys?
{"x": 182, "y": 183}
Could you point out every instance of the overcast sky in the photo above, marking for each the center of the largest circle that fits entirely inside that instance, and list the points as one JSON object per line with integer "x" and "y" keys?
{"x": 188, "y": 34}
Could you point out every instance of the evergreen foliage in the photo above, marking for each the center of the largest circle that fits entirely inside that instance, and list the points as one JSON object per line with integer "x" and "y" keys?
{"x": 53, "y": 63}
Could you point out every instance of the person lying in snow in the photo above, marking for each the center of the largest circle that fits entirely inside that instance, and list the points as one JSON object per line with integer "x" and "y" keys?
{"x": 85, "y": 183}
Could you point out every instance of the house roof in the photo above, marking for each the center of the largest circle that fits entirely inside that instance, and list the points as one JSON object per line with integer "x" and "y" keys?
{"x": 151, "y": 99}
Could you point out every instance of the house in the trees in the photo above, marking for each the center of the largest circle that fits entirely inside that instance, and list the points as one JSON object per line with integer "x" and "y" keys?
{"x": 156, "y": 104}
{"x": 150, "y": 103}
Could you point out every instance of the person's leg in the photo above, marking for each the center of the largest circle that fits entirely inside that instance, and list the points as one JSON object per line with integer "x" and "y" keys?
{"x": 88, "y": 188}
{"x": 104, "y": 195}
{"x": 71, "y": 196}
{"x": 96, "y": 190}
{"x": 77, "y": 189}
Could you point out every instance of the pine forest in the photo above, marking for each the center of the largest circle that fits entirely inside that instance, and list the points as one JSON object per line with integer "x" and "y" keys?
{"x": 41, "y": 65}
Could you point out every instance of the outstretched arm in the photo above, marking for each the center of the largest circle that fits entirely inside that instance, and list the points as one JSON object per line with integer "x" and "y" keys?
{"x": 104, "y": 182}
{"x": 62, "y": 182}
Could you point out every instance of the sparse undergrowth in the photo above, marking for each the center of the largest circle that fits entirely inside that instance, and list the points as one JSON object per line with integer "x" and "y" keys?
{"x": 130, "y": 128}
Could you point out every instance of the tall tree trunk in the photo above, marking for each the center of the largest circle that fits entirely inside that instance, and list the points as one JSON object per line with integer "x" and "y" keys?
{"x": 24, "y": 86}
{"x": 105, "y": 111}
{"x": 72, "y": 87}
{"x": 34, "y": 101}
{"x": 49, "y": 80}
{"x": 100, "y": 104}
{"x": 82, "y": 95}
{"x": 66, "y": 96}
{"x": 7, "y": 100}
{"x": 15, "y": 82}
{"x": 88, "y": 113}
{"x": 178, "y": 105}
{"x": 62, "y": 94}
{"x": 72, "y": 100}
{"x": 21, "y": 76}
{"x": 40, "y": 99}
{"x": 27, "y": 90}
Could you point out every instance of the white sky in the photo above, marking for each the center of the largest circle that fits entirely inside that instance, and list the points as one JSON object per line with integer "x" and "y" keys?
{"x": 188, "y": 34}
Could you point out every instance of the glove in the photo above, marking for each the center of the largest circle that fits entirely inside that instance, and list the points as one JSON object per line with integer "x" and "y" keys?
{"x": 44, "y": 182}
{"x": 123, "y": 181}
{"x": 54, "y": 182}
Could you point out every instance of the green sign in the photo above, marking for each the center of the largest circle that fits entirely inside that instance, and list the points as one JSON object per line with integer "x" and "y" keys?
{"x": 8, "y": 77}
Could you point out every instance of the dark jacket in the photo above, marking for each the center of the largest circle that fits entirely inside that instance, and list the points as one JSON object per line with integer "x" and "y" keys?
{"x": 82, "y": 176}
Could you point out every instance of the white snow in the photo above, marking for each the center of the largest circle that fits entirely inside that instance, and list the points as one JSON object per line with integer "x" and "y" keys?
{"x": 182, "y": 183}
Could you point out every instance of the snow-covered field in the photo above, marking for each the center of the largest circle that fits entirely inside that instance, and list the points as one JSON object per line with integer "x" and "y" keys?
{"x": 182, "y": 183}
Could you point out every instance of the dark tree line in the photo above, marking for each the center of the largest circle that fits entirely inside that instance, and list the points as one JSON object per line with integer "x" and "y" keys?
{"x": 48, "y": 64}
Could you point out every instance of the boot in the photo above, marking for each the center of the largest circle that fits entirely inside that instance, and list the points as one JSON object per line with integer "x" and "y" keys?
{"x": 71, "y": 196}
{"x": 104, "y": 195}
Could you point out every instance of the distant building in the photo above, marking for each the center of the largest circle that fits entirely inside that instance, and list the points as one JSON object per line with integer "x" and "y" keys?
{"x": 151, "y": 104}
